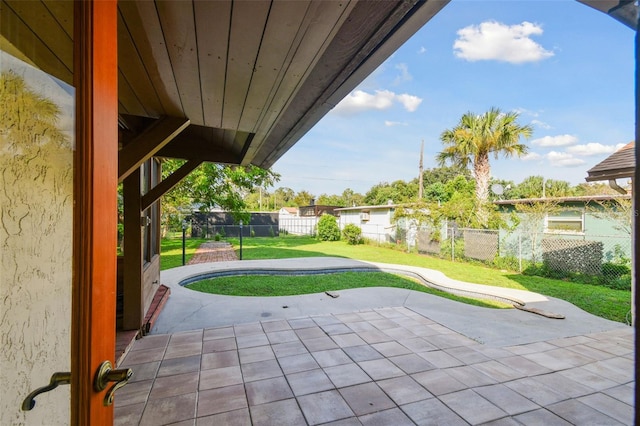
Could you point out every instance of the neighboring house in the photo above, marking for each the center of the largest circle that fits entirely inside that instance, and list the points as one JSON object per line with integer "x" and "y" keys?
{"x": 288, "y": 212}
{"x": 569, "y": 221}
{"x": 375, "y": 221}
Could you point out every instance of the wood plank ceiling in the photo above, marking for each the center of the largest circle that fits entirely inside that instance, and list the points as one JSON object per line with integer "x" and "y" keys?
{"x": 250, "y": 76}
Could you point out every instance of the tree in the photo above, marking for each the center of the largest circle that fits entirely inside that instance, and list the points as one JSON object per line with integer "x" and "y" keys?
{"x": 303, "y": 198}
{"x": 539, "y": 187}
{"x": 474, "y": 139}
{"x": 328, "y": 229}
{"x": 213, "y": 185}
{"x": 398, "y": 192}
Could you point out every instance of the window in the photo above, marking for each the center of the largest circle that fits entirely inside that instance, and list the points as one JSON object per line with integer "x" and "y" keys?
{"x": 565, "y": 222}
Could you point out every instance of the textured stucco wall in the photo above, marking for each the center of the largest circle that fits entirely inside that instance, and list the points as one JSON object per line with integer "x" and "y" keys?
{"x": 36, "y": 196}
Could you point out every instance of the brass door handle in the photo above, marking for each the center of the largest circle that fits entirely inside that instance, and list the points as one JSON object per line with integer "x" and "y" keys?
{"x": 60, "y": 378}
{"x": 106, "y": 374}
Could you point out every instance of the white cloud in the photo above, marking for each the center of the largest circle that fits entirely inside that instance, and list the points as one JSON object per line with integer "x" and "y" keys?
{"x": 410, "y": 102}
{"x": 404, "y": 74}
{"x": 540, "y": 124}
{"x": 422, "y": 50}
{"x": 532, "y": 156}
{"x": 360, "y": 101}
{"x": 593, "y": 149}
{"x": 560, "y": 140}
{"x": 394, "y": 123}
{"x": 563, "y": 159}
{"x": 496, "y": 41}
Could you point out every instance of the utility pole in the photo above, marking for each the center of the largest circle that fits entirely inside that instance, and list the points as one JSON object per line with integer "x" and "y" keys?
{"x": 420, "y": 183}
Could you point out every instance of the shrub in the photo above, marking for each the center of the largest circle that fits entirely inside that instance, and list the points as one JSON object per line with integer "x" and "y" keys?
{"x": 217, "y": 237}
{"x": 352, "y": 233}
{"x": 328, "y": 229}
{"x": 271, "y": 232}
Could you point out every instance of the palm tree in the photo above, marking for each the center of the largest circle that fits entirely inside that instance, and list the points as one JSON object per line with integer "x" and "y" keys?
{"x": 474, "y": 138}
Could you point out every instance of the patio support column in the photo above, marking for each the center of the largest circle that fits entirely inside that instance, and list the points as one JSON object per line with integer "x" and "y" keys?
{"x": 635, "y": 299}
{"x": 133, "y": 314}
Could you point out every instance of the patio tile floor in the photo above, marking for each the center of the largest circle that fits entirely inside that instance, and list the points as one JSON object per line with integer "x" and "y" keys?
{"x": 375, "y": 367}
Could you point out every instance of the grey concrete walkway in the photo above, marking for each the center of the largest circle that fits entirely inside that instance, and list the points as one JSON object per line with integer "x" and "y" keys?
{"x": 373, "y": 357}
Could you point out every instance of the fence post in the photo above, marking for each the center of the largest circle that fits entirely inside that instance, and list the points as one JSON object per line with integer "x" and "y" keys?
{"x": 520, "y": 252}
{"x": 453, "y": 246}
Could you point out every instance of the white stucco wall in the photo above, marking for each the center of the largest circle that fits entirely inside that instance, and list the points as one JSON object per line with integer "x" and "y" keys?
{"x": 36, "y": 197}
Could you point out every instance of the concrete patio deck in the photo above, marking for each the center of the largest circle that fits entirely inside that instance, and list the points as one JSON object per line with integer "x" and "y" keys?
{"x": 373, "y": 357}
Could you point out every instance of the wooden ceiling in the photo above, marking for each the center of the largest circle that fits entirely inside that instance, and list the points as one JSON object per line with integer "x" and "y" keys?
{"x": 250, "y": 76}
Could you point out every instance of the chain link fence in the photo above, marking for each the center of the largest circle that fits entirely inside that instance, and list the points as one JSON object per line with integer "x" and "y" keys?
{"x": 593, "y": 259}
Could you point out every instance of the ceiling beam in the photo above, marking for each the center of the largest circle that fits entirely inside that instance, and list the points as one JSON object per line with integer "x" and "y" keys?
{"x": 168, "y": 183}
{"x": 191, "y": 147}
{"x": 148, "y": 143}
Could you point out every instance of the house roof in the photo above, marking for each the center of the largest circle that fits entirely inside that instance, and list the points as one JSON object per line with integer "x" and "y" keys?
{"x": 582, "y": 198}
{"x": 241, "y": 81}
{"x": 292, "y": 210}
{"x": 620, "y": 164}
{"x": 378, "y": 207}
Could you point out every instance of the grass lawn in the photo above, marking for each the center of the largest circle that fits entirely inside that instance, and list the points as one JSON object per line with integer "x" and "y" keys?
{"x": 171, "y": 251}
{"x": 288, "y": 285}
{"x": 598, "y": 300}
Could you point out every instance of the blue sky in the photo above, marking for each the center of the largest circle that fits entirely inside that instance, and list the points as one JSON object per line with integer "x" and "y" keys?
{"x": 565, "y": 67}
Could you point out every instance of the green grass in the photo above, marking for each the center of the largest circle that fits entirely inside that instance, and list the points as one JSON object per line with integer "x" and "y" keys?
{"x": 171, "y": 251}
{"x": 289, "y": 285}
{"x": 601, "y": 301}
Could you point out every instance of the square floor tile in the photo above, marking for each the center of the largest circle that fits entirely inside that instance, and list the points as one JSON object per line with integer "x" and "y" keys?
{"x": 142, "y": 372}
{"x": 332, "y": 329}
{"x": 179, "y": 351}
{"x": 248, "y": 329}
{"x": 277, "y": 325}
{"x": 282, "y": 336}
{"x": 325, "y": 319}
{"x": 310, "y": 333}
{"x": 127, "y": 415}
{"x": 230, "y": 418}
{"x": 438, "y": 382}
{"x": 164, "y": 387}
{"x": 297, "y": 363}
{"x": 346, "y": 375}
{"x": 541, "y": 417}
{"x": 151, "y": 342}
{"x": 134, "y": 393}
{"x": 261, "y": 370}
{"x": 470, "y": 376}
{"x": 269, "y": 390}
{"x": 288, "y": 349}
{"x": 374, "y": 336}
{"x": 324, "y": 407}
{"x": 404, "y": 390}
{"x": 307, "y": 382}
{"x": 535, "y": 391}
{"x": 394, "y": 417}
{"x": 258, "y": 353}
{"x": 301, "y": 323}
{"x": 169, "y": 367}
{"x": 362, "y": 353}
{"x": 366, "y": 398}
{"x": 417, "y": 344}
{"x": 390, "y": 349}
{"x": 578, "y": 413}
{"x": 218, "y": 333}
{"x": 610, "y": 407}
{"x": 281, "y": 413}
{"x": 472, "y": 407}
{"x": 441, "y": 359}
{"x": 319, "y": 344}
{"x": 411, "y": 363}
{"x": 219, "y": 360}
{"x": 219, "y": 345}
{"x": 432, "y": 412}
{"x": 348, "y": 339}
{"x": 185, "y": 337}
{"x": 331, "y": 357}
{"x": 143, "y": 356}
{"x": 169, "y": 410}
{"x": 399, "y": 333}
{"x": 220, "y": 377}
{"x": 379, "y": 369}
{"x": 506, "y": 399}
{"x": 252, "y": 340}
{"x": 219, "y": 400}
